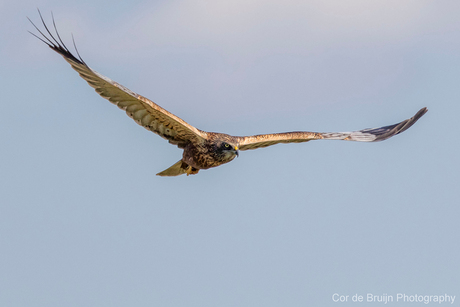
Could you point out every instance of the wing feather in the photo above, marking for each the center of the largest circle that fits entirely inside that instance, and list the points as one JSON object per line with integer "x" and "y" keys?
{"x": 365, "y": 135}
{"x": 143, "y": 111}
{"x": 264, "y": 140}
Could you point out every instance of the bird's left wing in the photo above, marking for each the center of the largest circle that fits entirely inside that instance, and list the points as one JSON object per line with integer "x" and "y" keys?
{"x": 145, "y": 112}
{"x": 365, "y": 135}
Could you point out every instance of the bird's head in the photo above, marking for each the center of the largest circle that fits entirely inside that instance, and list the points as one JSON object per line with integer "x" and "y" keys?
{"x": 227, "y": 150}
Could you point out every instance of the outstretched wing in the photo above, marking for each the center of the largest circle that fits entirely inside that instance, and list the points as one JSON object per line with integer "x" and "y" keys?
{"x": 366, "y": 135}
{"x": 145, "y": 112}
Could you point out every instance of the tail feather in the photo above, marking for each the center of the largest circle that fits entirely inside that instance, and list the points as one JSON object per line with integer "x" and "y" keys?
{"x": 177, "y": 169}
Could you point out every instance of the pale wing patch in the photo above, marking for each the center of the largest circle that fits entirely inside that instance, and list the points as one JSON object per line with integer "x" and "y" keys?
{"x": 350, "y": 136}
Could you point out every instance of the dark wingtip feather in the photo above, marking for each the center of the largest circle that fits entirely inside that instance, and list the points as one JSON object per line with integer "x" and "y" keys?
{"x": 376, "y": 134}
{"x": 386, "y": 132}
{"x": 56, "y": 44}
{"x": 76, "y": 49}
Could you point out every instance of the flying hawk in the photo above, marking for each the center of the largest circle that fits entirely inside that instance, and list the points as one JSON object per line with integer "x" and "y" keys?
{"x": 202, "y": 150}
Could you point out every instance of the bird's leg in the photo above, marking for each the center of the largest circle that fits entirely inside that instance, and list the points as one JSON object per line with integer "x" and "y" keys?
{"x": 191, "y": 170}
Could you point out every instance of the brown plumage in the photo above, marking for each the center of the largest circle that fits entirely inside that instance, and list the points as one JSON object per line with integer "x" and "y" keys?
{"x": 202, "y": 150}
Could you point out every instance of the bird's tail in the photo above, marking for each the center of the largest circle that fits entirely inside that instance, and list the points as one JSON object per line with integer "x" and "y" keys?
{"x": 177, "y": 169}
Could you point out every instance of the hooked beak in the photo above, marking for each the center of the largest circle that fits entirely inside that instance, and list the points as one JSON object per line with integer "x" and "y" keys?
{"x": 236, "y": 151}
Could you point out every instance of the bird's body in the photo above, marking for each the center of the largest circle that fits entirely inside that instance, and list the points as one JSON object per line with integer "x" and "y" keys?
{"x": 202, "y": 150}
{"x": 218, "y": 149}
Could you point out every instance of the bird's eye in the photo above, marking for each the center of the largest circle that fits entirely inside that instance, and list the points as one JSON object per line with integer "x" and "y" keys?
{"x": 226, "y": 145}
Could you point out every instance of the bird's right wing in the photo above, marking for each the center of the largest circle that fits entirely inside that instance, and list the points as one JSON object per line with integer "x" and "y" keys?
{"x": 365, "y": 135}
{"x": 145, "y": 112}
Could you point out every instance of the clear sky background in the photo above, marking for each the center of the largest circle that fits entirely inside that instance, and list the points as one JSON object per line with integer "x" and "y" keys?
{"x": 84, "y": 221}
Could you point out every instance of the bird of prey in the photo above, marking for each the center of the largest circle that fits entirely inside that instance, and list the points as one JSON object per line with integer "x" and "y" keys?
{"x": 202, "y": 150}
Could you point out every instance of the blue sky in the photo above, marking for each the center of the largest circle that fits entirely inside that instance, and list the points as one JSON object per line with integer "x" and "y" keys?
{"x": 84, "y": 221}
